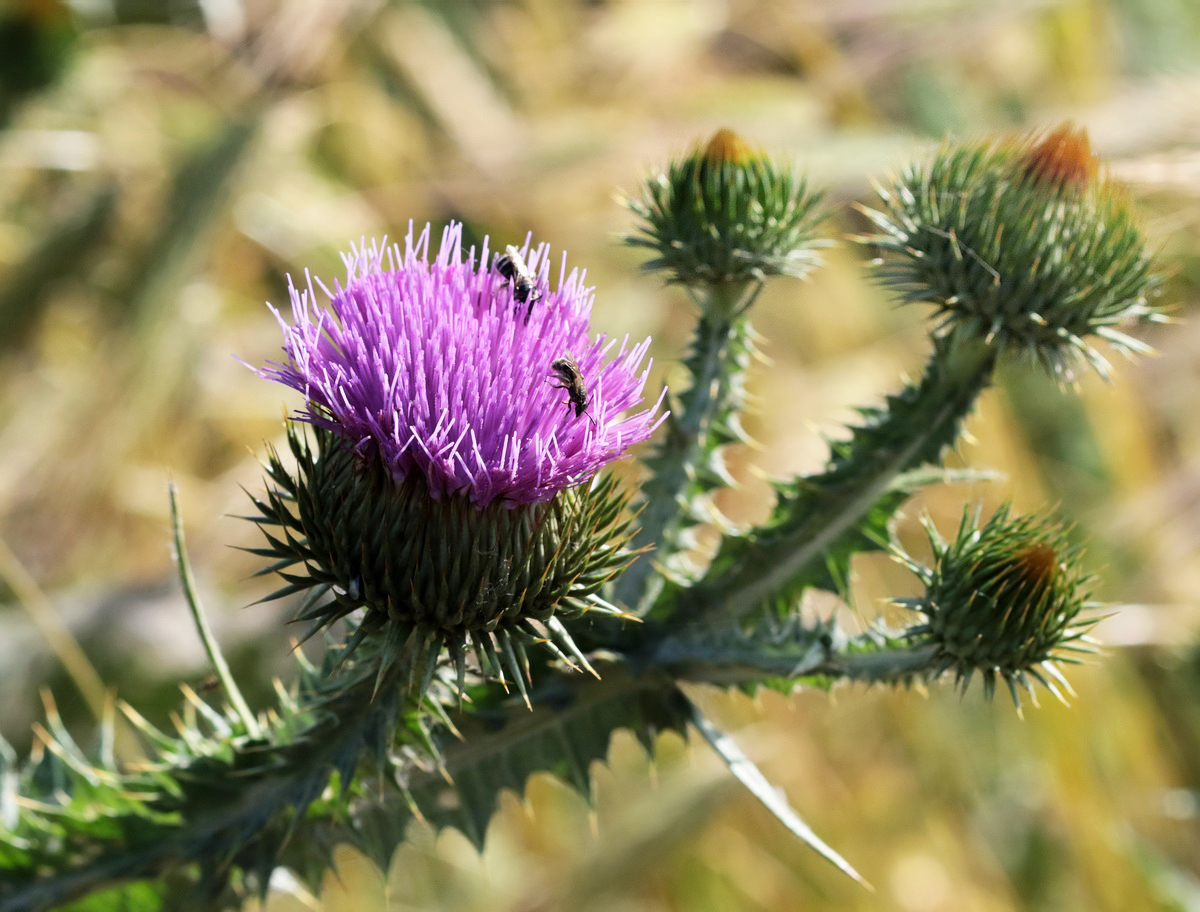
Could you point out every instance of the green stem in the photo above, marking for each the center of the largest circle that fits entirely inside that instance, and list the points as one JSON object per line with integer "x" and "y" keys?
{"x": 713, "y": 361}
{"x": 917, "y": 427}
{"x": 731, "y": 668}
{"x": 211, "y": 647}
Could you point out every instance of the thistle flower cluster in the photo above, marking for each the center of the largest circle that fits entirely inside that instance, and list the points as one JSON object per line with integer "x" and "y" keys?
{"x": 438, "y": 370}
{"x": 443, "y": 482}
{"x": 449, "y": 488}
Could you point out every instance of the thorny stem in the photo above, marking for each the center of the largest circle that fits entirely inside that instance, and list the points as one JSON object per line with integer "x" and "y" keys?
{"x": 685, "y": 663}
{"x": 686, "y": 432}
{"x": 948, "y": 392}
{"x": 249, "y": 806}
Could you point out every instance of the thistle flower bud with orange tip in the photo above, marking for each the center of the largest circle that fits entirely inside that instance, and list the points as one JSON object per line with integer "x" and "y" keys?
{"x": 1021, "y": 244}
{"x": 727, "y": 214}
{"x": 727, "y": 147}
{"x": 1003, "y": 600}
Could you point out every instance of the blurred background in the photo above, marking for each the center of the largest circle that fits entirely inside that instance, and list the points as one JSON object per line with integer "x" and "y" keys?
{"x": 165, "y": 165}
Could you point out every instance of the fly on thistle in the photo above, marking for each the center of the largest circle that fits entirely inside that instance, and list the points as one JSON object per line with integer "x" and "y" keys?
{"x": 512, "y": 266}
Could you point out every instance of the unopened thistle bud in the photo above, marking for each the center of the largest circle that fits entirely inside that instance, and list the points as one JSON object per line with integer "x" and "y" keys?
{"x": 1024, "y": 244}
{"x": 727, "y": 214}
{"x": 448, "y": 482}
{"x": 1003, "y": 600}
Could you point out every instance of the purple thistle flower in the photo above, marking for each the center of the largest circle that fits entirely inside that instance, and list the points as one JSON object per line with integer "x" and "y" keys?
{"x": 459, "y": 405}
{"x": 439, "y": 369}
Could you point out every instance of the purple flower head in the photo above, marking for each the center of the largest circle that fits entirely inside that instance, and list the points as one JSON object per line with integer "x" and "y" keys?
{"x": 444, "y": 369}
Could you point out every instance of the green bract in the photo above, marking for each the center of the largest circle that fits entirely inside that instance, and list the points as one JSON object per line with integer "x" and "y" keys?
{"x": 434, "y": 573}
{"x": 1020, "y": 244}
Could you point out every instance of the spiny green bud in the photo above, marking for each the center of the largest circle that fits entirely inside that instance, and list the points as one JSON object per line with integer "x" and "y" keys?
{"x": 1003, "y": 600}
{"x": 1021, "y": 243}
{"x": 727, "y": 214}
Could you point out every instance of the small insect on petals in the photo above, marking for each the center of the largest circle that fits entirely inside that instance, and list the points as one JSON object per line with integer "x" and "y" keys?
{"x": 567, "y": 370}
{"x": 512, "y": 266}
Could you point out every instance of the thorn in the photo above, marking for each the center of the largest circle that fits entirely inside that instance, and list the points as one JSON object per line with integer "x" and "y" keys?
{"x": 514, "y": 667}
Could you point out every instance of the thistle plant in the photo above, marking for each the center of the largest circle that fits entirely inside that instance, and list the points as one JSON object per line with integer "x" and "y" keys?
{"x": 488, "y": 600}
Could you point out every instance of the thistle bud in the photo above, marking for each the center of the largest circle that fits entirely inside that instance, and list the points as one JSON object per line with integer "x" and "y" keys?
{"x": 447, "y": 484}
{"x": 1021, "y": 243}
{"x": 1003, "y": 600}
{"x": 727, "y": 214}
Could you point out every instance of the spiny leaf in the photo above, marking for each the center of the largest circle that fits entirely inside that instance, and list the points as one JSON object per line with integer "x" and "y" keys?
{"x": 771, "y": 797}
{"x": 502, "y": 744}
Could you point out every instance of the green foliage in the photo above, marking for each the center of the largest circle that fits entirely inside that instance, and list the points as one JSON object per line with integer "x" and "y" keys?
{"x": 502, "y": 744}
{"x": 819, "y": 522}
{"x": 210, "y": 794}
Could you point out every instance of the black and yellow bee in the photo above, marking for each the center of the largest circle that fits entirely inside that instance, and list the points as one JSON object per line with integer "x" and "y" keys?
{"x": 512, "y": 266}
